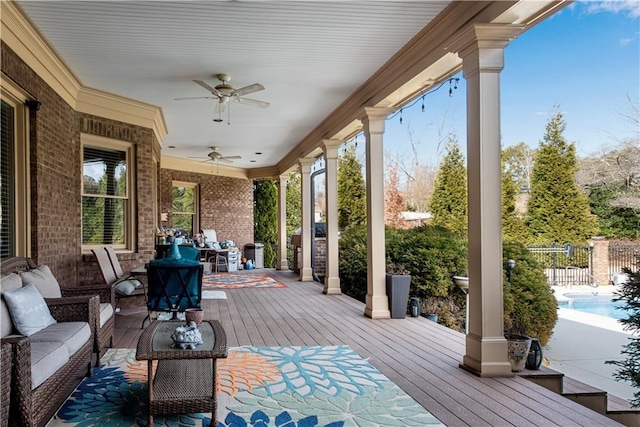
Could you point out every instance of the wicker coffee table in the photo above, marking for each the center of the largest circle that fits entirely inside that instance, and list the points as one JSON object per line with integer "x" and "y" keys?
{"x": 185, "y": 380}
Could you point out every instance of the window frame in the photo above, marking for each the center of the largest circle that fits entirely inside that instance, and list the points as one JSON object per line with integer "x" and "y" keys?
{"x": 14, "y": 96}
{"x": 129, "y": 223}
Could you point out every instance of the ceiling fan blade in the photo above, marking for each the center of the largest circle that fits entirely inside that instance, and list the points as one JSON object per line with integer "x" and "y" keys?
{"x": 208, "y": 87}
{"x": 230, "y": 157}
{"x": 195, "y": 97}
{"x": 224, "y": 160}
{"x": 253, "y": 102}
{"x": 248, "y": 89}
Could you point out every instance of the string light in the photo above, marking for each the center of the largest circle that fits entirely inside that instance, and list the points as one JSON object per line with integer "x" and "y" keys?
{"x": 453, "y": 85}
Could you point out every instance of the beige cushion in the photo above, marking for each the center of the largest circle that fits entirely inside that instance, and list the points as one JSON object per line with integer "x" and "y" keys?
{"x": 106, "y": 312}
{"x": 29, "y": 312}
{"x": 73, "y": 335}
{"x": 46, "y": 359}
{"x": 10, "y": 282}
{"x": 44, "y": 280}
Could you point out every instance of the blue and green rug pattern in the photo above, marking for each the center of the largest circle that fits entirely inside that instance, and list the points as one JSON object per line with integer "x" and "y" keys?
{"x": 328, "y": 386}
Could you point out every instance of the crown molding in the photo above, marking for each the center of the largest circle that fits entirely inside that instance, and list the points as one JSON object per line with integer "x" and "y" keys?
{"x": 207, "y": 168}
{"x": 28, "y": 43}
{"x": 126, "y": 110}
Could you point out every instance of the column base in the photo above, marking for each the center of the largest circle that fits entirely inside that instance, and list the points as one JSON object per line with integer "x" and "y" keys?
{"x": 486, "y": 357}
{"x": 284, "y": 265}
{"x": 306, "y": 275}
{"x": 377, "y": 307}
{"x": 332, "y": 286}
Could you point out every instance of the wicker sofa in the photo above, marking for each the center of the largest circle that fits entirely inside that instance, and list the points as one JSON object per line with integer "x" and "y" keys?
{"x": 47, "y": 365}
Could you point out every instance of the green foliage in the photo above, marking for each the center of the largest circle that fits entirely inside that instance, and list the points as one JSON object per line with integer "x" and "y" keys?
{"x": 513, "y": 225}
{"x": 432, "y": 255}
{"x": 615, "y": 221}
{"x": 294, "y": 209}
{"x": 629, "y": 369}
{"x": 529, "y": 305}
{"x": 449, "y": 201}
{"x": 352, "y": 247}
{"x": 558, "y": 210}
{"x": 352, "y": 195}
{"x": 265, "y": 214}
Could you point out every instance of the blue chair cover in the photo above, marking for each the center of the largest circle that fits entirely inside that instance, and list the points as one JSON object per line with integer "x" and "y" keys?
{"x": 174, "y": 285}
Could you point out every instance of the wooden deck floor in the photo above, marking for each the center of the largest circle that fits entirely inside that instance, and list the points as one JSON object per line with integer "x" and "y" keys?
{"x": 418, "y": 355}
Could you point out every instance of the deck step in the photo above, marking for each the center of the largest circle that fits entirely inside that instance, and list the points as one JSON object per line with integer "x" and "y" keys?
{"x": 591, "y": 397}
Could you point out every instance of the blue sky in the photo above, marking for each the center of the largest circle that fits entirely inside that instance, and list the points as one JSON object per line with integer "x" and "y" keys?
{"x": 585, "y": 60}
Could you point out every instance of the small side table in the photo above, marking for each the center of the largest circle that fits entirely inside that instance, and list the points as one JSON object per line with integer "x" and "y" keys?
{"x": 185, "y": 380}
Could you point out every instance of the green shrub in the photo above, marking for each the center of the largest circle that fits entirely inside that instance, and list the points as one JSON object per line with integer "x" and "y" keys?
{"x": 432, "y": 256}
{"x": 529, "y": 305}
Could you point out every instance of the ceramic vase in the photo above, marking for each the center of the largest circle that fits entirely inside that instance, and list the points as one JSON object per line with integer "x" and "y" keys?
{"x": 518, "y": 351}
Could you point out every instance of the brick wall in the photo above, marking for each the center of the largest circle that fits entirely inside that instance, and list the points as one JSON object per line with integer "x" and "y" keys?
{"x": 226, "y": 204}
{"x": 56, "y": 174}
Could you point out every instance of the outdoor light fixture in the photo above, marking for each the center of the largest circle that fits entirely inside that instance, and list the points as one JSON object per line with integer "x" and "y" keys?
{"x": 453, "y": 85}
{"x": 511, "y": 264}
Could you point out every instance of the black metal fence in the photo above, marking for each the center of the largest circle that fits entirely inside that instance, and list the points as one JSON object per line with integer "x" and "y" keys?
{"x": 567, "y": 264}
{"x": 623, "y": 254}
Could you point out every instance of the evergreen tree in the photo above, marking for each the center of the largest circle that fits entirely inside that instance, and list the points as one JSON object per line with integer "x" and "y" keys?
{"x": 449, "y": 201}
{"x": 513, "y": 226}
{"x": 265, "y": 216}
{"x": 629, "y": 369}
{"x": 393, "y": 200}
{"x": 294, "y": 209}
{"x": 352, "y": 202}
{"x": 558, "y": 211}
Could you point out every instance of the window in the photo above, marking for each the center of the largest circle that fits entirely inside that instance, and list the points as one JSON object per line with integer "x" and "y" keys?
{"x": 107, "y": 209}
{"x": 184, "y": 204}
{"x": 14, "y": 174}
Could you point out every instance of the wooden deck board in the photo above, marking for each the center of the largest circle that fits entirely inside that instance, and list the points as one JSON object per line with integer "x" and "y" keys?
{"x": 418, "y": 355}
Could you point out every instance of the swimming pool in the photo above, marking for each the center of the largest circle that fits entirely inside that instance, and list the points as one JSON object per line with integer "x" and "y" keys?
{"x": 595, "y": 304}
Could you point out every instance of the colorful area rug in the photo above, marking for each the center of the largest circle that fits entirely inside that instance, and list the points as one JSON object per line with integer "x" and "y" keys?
{"x": 328, "y": 386}
{"x": 239, "y": 280}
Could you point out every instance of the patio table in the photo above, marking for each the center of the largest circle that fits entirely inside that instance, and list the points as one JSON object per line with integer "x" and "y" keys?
{"x": 184, "y": 380}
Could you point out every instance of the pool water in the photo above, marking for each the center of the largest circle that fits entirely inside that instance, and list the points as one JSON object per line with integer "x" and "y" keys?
{"x": 595, "y": 304}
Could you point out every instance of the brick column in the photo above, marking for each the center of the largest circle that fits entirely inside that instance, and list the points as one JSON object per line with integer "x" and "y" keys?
{"x": 599, "y": 262}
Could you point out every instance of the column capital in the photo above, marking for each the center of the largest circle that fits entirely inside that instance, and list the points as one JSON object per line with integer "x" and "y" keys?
{"x": 305, "y": 164}
{"x": 483, "y": 36}
{"x": 331, "y": 147}
{"x": 373, "y": 118}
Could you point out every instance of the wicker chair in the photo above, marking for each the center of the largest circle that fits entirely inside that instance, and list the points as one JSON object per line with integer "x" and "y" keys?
{"x": 35, "y": 406}
{"x": 105, "y": 319}
{"x": 5, "y": 383}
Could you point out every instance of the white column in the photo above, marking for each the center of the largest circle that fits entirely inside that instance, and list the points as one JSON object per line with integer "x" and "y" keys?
{"x": 377, "y": 303}
{"x": 308, "y": 233}
{"x": 481, "y": 48}
{"x": 283, "y": 264}
{"x": 332, "y": 278}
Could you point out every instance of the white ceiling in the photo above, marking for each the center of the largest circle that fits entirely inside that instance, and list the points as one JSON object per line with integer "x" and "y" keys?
{"x": 310, "y": 56}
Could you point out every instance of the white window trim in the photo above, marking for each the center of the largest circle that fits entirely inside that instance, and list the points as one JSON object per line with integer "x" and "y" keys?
{"x": 130, "y": 223}
{"x": 16, "y": 97}
{"x": 196, "y": 202}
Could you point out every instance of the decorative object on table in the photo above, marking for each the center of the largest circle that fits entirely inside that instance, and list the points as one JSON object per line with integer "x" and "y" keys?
{"x": 534, "y": 359}
{"x": 518, "y": 351}
{"x": 398, "y": 283}
{"x": 194, "y": 315}
{"x": 188, "y": 336}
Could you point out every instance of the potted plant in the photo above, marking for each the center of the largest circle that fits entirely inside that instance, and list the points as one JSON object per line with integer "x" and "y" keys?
{"x": 398, "y": 283}
{"x": 430, "y": 309}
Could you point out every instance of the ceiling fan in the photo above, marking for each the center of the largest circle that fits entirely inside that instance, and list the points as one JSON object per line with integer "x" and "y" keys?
{"x": 216, "y": 156}
{"x": 225, "y": 93}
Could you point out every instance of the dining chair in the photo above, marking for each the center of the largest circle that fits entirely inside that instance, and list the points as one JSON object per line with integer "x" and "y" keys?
{"x": 174, "y": 285}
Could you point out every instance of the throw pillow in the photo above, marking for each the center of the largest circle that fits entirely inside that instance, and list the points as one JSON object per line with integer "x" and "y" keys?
{"x": 29, "y": 311}
{"x": 126, "y": 287}
{"x": 43, "y": 280}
